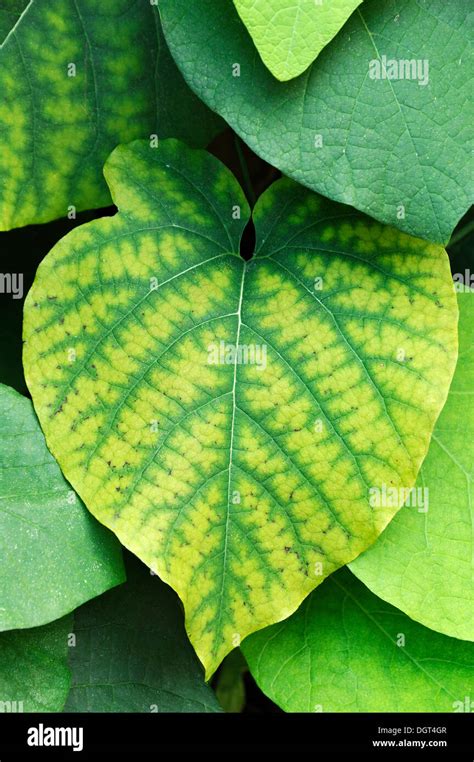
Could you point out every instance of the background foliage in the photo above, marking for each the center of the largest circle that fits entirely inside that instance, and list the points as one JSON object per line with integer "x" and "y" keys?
{"x": 394, "y": 149}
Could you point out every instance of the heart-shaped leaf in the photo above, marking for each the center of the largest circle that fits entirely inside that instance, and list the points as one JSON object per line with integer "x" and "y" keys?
{"x": 380, "y": 121}
{"x": 227, "y": 418}
{"x": 77, "y": 78}
{"x": 422, "y": 563}
{"x": 53, "y": 555}
{"x": 131, "y": 653}
{"x": 34, "y": 673}
{"x": 289, "y": 36}
{"x": 345, "y": 650}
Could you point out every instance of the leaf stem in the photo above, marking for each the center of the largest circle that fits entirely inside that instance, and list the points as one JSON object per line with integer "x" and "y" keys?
{"x": 248, "y": 187}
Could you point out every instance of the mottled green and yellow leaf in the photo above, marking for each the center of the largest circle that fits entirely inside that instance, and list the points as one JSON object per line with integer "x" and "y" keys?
{"x": 227, "y": 419}
{"x": 77, "y": 78}
{"x": 423, "y": 561}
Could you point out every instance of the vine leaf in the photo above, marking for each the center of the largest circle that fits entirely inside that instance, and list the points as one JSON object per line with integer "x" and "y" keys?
{"x": 289, "y": 36}
{"x": 76, "y": 81}
{"x": 345, "y": 650}
{"x": 422, "y": 562}
{"x": 226, "y": 418}
{"x": 378, "y": 121}
{"x": 50, "y": 545}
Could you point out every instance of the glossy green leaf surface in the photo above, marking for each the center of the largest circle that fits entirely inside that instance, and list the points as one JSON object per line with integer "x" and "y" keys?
{"x": 227, "y": 419}
{"x": 423, "y": 561}
{"x": 78, "y": 77}
{"x": 53, "y": 554}
{"x": 391, "y": 139}
{"x": 131, "y": 652}
{"x": 345, "y": 650}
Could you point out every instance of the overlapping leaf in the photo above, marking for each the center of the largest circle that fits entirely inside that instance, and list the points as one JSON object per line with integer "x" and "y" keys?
{"x": 78, "y": 77}
{"x": 290, "y": 35}
{"x": 396, "y": 148}
{"x": 345, "y": 650}
{"x": 53, "y": 554}
{"x": 34, "y": 673}
{"x": 131, "y": 653}
{"x": 423, "y": 562}
{"x": 227, "y": 419}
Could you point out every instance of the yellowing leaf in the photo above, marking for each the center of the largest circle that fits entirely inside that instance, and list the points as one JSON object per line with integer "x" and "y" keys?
{"x": 290, "y": 35}
{"x": 226, "y": 418}
{"x": 423, "y": 562}
{"x": 78, "y": 77}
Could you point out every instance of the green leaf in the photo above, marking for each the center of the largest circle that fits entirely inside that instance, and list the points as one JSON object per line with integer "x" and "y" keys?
{"x": 395, "y": 149}
{"x": 53, "y": 555}
{"x": 289, "y": 36}
{"x": 345, "y": 650}
{"x": 227, "y": 419}
{"x": 34, "y": 674}
{"x": 132, "y": 653}
{"x": 76, "y": 80}
{"x": 10, "y": 12}
{"x": 422, "y": 563}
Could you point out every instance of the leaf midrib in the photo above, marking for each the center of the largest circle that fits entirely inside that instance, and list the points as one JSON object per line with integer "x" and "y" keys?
{"x": 232, "y": 430}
